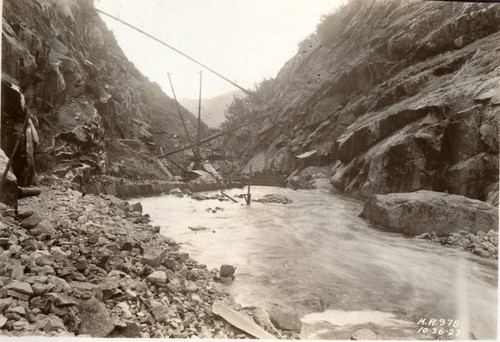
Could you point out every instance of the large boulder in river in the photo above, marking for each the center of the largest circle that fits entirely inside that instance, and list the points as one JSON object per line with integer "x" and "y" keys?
{"x": 428, "y": 211}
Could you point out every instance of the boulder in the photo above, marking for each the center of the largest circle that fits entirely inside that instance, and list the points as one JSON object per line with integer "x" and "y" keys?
{"x": 16, "y": 310}
{"x": 170, "y": 264}
{"x": 261, "y": 317}
{"x": 136, "y": 207}
{"x": 153, "y": 257}
{"x": 239, "y": 320}
{"x": 62, "y": 299}
{"x": 284, "y": 317}
{"x": 125, "y": 308}
{"x": 158, "y": 277}
{"x": 131, "y": 329}
{"x": 199, "y": 197}
{"x": 20, "y": 287}
{"x": 314, "y": 172}
{"x": 87, "y": 290}
{"x": 191, "y": 286}
{"x": 44, "y": 228}
{"x": 52, "y": 324}
{"x": 109, "y": 287}
{"x": 60, "y": 285}
{"x": 159, "y": 312}
{"x": 40, "y": 289}
{"x": 293, "y": 182}
{"x": 59, "y": 255}
{"x": 24, "y": 214}
{"x": 95, "y": 319}
{"x": 227, "y": 270}
{"x": 425, "y": 211}
{"x": 364, "y": 334}
{"x": 42, "y": 258}
{"x": 31, "y": 221}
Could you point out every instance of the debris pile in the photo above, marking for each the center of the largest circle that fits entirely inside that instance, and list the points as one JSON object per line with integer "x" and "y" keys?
{"x": 211, "y": 196}
{"x": 274, "y": 198}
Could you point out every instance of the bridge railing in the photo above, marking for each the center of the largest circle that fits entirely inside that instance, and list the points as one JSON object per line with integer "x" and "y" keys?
{"x": 259, "y": 178}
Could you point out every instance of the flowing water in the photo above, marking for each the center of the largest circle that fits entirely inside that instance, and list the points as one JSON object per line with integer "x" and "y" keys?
{"x": 336, "y": 269}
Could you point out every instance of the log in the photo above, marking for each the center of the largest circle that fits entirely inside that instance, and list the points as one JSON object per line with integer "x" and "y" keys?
{"x": 232, "y": 199}
{"x": 198, "y": 229}
{"x": 240, "y": 321}
{"x": 27, "y": 192}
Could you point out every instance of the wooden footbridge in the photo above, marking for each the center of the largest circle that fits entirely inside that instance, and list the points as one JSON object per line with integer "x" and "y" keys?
{"x": 260, "y": 179}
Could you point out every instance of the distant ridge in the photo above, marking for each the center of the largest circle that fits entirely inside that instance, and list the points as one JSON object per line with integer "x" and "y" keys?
{"x": 212, "y": 110}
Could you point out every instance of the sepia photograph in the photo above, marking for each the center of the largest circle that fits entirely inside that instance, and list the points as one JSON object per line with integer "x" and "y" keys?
{"x": 249, "y": 169}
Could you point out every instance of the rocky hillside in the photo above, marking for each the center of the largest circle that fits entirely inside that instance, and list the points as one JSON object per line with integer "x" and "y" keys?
{"x": 394, "y": 97}
{"x": 94, "y": 112}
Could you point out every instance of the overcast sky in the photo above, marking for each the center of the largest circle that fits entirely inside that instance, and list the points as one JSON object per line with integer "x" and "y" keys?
{"x": 245, "y": 40}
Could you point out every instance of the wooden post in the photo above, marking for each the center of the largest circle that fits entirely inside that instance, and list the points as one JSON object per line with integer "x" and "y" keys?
{"x": 248, "y": 196}
{"x": 195, "y": 151}
{"x": 198, "y": 133}
{"x": 179, "y": 166}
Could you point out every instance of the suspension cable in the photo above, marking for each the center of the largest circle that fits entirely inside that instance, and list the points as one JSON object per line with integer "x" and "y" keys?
{"x": 246, "y": 91}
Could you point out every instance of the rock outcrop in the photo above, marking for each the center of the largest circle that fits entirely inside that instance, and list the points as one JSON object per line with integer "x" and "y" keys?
{"x": 394, "y": 97}
{"x": 93, "y": 110}
{"x": 9, "y": 191}
{"x": 19, "y": 146}
{"x": 430, "y": 212}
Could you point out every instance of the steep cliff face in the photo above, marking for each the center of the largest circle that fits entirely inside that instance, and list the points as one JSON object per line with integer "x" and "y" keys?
{"x": 395, "y": 97}
{"x": 93, "y": 110}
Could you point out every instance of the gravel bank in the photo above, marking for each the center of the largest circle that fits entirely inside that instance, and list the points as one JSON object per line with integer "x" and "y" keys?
{"x": 74, "y": 264}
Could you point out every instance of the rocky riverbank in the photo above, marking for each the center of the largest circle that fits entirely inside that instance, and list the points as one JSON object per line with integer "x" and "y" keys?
{"x": 454, "y": 221}
{"x": 75, "y": 264}
{"x": 481, "y": 244}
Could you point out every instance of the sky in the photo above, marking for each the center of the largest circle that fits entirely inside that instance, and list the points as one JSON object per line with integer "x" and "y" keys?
{"x": 244, "y": 40}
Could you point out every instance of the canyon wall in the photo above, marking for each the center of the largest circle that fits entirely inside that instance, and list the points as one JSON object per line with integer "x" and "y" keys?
{"x": 92, "y": 110}
{"x": 394, "y": 97}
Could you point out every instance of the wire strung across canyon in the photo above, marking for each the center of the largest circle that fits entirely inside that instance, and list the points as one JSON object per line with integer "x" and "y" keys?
{"x": 246, "y": 91}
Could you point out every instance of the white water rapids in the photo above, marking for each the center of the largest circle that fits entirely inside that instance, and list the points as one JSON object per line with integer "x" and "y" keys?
{"x": 336, "y": 269}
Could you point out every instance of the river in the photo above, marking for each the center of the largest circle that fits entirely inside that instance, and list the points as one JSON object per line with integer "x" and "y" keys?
{"x": 337, "y": 270}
